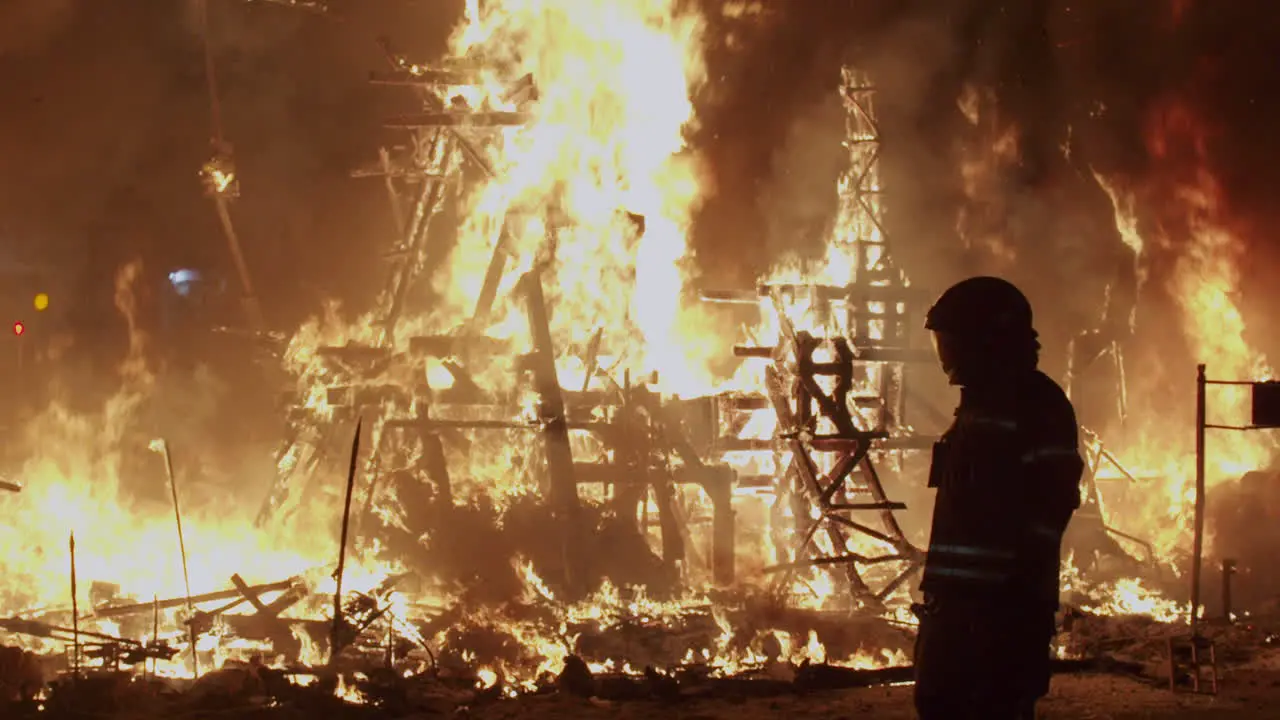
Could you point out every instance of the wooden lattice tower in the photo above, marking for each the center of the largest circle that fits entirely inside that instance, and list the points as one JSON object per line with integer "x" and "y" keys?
{"x": 838, "y": 391}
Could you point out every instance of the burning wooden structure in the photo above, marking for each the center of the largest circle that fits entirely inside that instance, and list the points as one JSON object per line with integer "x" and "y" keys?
{"x": 835, "y": 381}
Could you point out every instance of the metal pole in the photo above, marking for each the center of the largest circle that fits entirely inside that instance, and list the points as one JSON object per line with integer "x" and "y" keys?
{"x": 250, "y": 302}
{"x": 1197, "y": 551}
{"x": 1228, "y": 569}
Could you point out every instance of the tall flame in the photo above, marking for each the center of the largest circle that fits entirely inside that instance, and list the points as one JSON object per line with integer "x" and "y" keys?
{"x": 599, "y": 184}
{"x": 1204, "y": 282}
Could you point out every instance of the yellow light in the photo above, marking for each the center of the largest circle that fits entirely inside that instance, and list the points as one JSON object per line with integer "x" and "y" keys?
{"x": 41, "y": 302}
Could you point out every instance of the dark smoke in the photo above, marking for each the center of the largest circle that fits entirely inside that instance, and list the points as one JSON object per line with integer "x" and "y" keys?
{"x": 770, "y": 136}
{"x": 1084, "y": 77}
{"x": 106, "y": 125}
{"x": 26, "y": 25}
{"x": 798, "y": 199}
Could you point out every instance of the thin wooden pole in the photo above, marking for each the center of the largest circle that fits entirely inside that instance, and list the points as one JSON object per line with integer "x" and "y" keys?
{"x": 182, "y": 548}
{"x": 336, "y": 634}
{"x": 75, "y": 612}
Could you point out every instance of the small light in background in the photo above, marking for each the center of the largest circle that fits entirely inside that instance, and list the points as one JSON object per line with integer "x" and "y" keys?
{"x": 41, "y": 302}
{"x": 19, "y": 328}
{"x": 183, "y": 281}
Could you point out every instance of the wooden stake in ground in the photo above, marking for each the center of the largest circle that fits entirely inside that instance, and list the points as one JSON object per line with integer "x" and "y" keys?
{"x": 155, "y": 632}
{"x": 335, "y": 639}
{"x": 162, "y": 446}
{"x": 75, "y": 613}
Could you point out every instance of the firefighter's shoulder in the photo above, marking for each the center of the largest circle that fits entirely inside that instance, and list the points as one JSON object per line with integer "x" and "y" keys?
{"x": 1041, "y": 396}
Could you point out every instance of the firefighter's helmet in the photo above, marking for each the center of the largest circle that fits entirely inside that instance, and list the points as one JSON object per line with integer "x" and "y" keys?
{"x": 981, "y": 306}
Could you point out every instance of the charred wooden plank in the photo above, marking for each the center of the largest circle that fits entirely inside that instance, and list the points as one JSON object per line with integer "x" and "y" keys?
{"x": 458, "y": 119}
{"x": 419, "y": 239}
{"x": 361, "y": 395}
{"x": 169, "y": 604}
{"x": 248, "y": 594}
{"x": 551, "y": 411}
{"x": 382, "y": 171}
{"x": 437, "y": 466}
{"x": 744, "y": 402}
{"x": 831, "y": 677}
{"x": 447, "y": 345}
{"x": 864, "y": 355}
{"x": 607, "y": 474}
{"x": 463, "y": 383}
{"x": 492, "y": 278}
{"x": 743, "y": 687}
{"x": 848, "y": 558}
{"x": 253, "y": 627}
{"x": 34, "y": 628}
{"x": 855, "y": 292}
{"x": 424, "y": 77}
{"x": 288, "y": 599}
{"x": 592, "y": 358}
{"x": 718, "y": 483}
{"x": 315, "y": 6}
{"x": 393, "y": 194}
{"x": 353, "y": 354}
{"x": 432, "y": 424}
{"x": 908, "y": 442}
{"x": 669, "y": 518}
{"x": 522, "y": 90}
{"x": 887, "y": 505}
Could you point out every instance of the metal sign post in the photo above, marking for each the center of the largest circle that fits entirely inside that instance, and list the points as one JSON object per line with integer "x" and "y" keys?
{"x": 1197, "y": 542}
{"x": 1265, "y": 415}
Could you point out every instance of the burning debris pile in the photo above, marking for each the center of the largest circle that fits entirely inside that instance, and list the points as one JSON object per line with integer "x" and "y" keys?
{"x": 561, "y": 485}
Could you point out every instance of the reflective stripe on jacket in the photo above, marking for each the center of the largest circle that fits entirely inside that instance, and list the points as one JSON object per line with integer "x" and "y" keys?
{"x": 1007, "y": 474}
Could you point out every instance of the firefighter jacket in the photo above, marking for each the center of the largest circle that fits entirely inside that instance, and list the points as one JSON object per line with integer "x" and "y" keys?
{"x": 1007, "y": 475}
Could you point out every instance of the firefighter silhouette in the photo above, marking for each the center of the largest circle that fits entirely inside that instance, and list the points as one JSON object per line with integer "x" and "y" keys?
{"x": 1007, "y": 474}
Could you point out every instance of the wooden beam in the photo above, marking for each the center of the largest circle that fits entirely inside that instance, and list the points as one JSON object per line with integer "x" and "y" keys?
{"x": 448, "y": 119}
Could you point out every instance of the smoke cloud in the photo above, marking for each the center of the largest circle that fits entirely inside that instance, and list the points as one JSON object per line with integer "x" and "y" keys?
{"x": 798, "y": 199}
{"x": 27, "y": 25}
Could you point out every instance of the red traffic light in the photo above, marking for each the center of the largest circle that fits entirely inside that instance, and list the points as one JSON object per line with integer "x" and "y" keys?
{"x": 19, "y": 328}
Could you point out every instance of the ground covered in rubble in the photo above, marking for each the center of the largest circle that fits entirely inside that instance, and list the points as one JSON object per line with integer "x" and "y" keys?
{"x": 1246, "y": 694}
{"x": 1127, "y": 681}
{"x": 1249, "y": 696}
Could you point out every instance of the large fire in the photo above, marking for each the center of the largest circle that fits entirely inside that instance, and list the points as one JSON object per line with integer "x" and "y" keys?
{"x": 595, "y": 190}
{"x": 1205, "y": 284}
